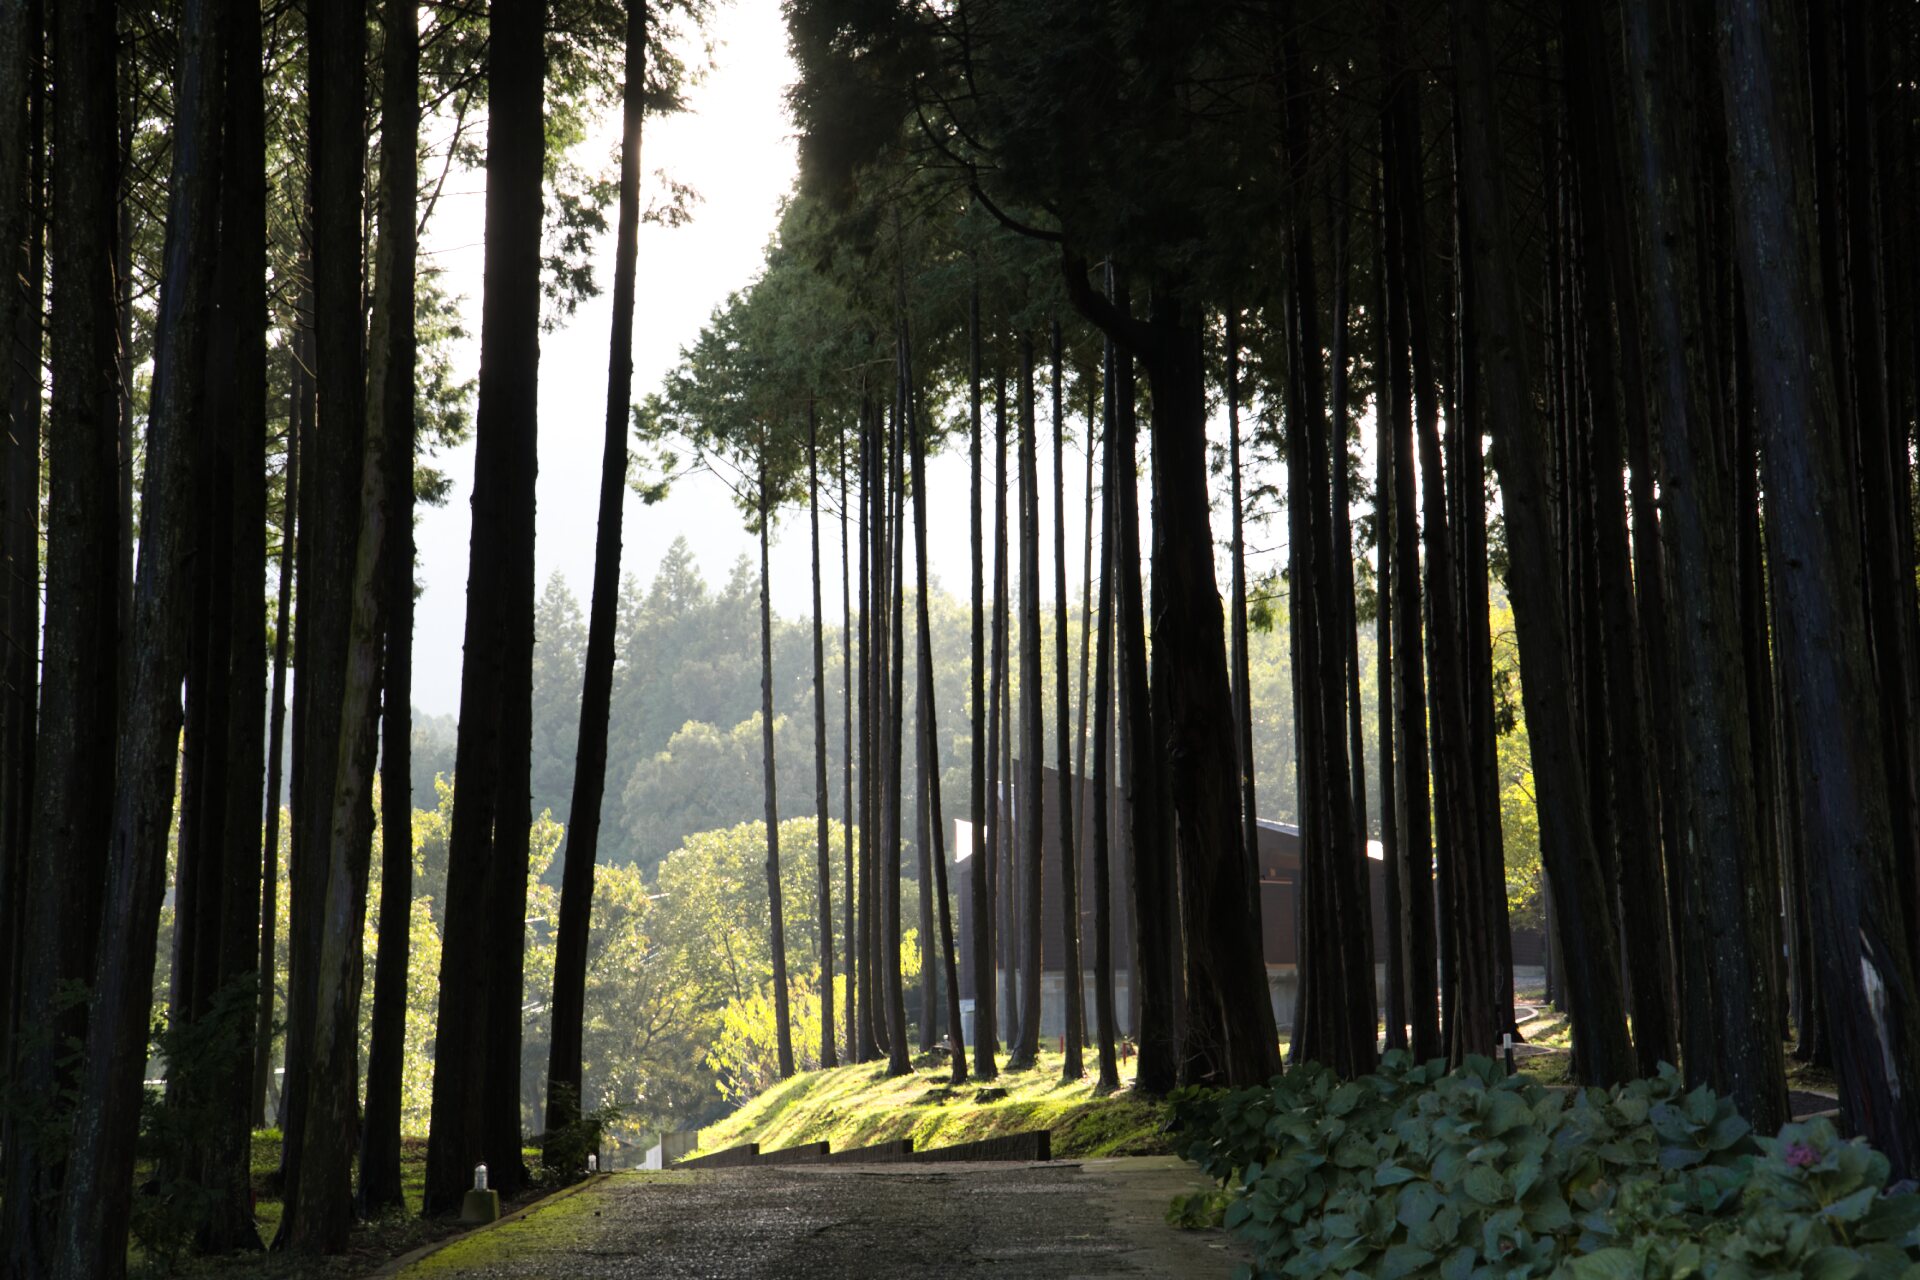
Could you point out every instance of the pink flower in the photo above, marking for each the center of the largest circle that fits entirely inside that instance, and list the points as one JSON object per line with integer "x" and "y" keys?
{"x": 1800, "y": 1155}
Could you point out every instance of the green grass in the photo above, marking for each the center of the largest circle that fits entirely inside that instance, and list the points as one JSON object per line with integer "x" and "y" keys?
{"x": 859, "y": 1105}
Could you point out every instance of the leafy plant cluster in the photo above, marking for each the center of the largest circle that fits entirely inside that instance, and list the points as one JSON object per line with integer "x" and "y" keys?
{"x": 1420, "y": 1171}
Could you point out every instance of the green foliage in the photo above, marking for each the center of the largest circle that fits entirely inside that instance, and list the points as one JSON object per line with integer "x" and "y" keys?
{"x": 1417, "y": 1171}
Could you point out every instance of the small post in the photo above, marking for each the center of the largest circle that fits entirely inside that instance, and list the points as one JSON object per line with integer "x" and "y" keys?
{"x": 1506, "y": 1049}
{"x": 480, "y": 1205}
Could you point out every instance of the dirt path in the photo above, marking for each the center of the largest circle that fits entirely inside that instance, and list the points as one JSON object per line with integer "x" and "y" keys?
{"x": 1067, "y": 1219}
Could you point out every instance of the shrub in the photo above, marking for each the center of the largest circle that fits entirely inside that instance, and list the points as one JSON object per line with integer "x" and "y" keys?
{"x": 1418, "y": 1171}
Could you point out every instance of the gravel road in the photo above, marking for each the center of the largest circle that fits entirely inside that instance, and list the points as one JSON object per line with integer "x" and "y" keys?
{"x": 1066, "y": 1219}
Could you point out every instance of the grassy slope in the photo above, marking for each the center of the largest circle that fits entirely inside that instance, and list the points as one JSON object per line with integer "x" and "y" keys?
{"x": 858, "y": 1105}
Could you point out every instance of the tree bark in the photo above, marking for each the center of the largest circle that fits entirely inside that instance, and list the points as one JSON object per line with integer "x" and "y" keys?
{"x": 92, "y": 1235}
{"x": 1698, "y": 531}
{"x": 985, "y": 1035}
{"x": 1866, "y": 957}
{"x": 1580, "y": 894}
{"x": 1025, "y": 1052}
{"x": 1105, "y": 1014}
{"x": 1072, "y": 993}
{"x": 64, "y": 869}
{"x": 783, "y": 1029}
{"x": 391, "y": 376}
{"x": 486, "y": 855}
{"x": 827, "y": 1057}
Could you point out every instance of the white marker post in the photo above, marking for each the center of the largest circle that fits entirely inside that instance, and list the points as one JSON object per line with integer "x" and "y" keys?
{"x": 1506, "y": 1049}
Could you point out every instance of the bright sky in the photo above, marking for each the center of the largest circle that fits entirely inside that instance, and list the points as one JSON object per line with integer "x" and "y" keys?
{"x": 735, "y": 147}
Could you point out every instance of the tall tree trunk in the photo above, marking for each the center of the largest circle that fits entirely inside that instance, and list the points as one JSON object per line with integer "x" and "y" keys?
{"x": 1105, "y": 1013}
{"x": 65, "y": 859}
{"x": 1149, "y": 848}
{"x": 22, "y": 266}
{"x": 565, "y": 1083}
{"x": 481, "y": 946}
{"x": 1866, "y": 956}
{"x": 1242, "y": 679}
{"x": 1072, "y": 994}
{"x": 1477, "y": 903}
{"x": 1726, "y": 871}
{"x": 231, "y": 912}
{"x": 862, "y": 919}
{"x": 827, "y": 1056}
{"x": 846, "y": 758}
{"x": 98, "y": 1191}
{"x": 1580, "y": 892}
{"x": 1414, "y": 833}
{"x": 276, "y": 741}
{"x": 783, "y": 1029}
{"x": 985, "y": 1035}
{"x": 1029, "y": 800}
{"x": 390, "y": 377}
{"x": 350, "y": 467}
{"x": 899, "y": 1062}
{"x": 999, "y": 733}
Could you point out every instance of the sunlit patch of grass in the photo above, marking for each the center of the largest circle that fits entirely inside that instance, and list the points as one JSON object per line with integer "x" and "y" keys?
{"x": 860, "y": 1105}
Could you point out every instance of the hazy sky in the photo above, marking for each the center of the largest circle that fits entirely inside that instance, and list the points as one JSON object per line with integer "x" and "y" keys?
{"x": 735, "y": 147}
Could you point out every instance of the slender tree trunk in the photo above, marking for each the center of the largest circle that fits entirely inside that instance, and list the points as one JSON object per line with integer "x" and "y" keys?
{"x": 1072, "y": 994}
{"x": 899, "y": 1061}
{"x": 827, "y": 1056}
{"x": 985, "y": 1035}
{"x": 92, "y": 1236}
{"x": 276, "y": 740}
{"x": 1105, "y": 1014}
{"x": 486, "y": 855}
{"x": 783, "y": 1030}
{"x": 869, "y": 740}
{"x": 391, "y": 378}
{"x": 1866, "y": 956}
{"x": 1026, "y": 1050}
{"x": 999, "y": 885}
{"x": 565, "y": 1082}
{"x": 846, "y": 770}
{"x": 1595, "y": 994}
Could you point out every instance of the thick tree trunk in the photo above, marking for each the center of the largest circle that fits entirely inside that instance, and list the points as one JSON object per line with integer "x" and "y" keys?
{"x": 481, "y": 944}
{"x": 98, "y": 1191}
{"x": 1580, "y": 892}
{"x": 1106, "y": 1028}
{"x": 1866, "y": 956}
{"x": 64, "y": 869}
{"x": 1724, "y": 865}
{"x": 1149, "y": 844}
{"x": 390, "y": 377}
{"x": 783, "y": 1029}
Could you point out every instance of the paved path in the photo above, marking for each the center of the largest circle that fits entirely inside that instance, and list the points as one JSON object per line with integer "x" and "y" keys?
{"x": 1070, "y": 1220}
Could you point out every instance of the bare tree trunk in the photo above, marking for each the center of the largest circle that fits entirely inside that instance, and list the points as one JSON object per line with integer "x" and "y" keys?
{"x": 827, "y": 1057}
{"x": 476, "y": 1061}
{"x": 1596, "y": 997}
{"x": 92, "y": 1237}
{"x": 1026, "y": 1050}
{"x": 985, "y": 1034}
{"x": 1866, "y": 970}
{"x": 783, "y": 1030}
{"x": 1072, "y": 994}
{"x": 1105, "y": 1013}
{"x": 846, "y": 771}
{"x": 391, "y": 377}
{"x": 64, "y": 868}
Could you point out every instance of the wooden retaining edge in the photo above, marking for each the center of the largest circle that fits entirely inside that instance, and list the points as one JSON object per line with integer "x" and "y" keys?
{"x": 895, "y": 1152}
{"x": 394, "y": 1266}
{"x": 805, "y": 1153}
{"x": 1035, "y": 1144}
{"x": 732, "y": 1157}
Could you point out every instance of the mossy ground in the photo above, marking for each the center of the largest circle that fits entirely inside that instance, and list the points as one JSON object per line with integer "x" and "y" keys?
{"x": 860, "y": 1105}
{"x": 372, "y": 1243}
